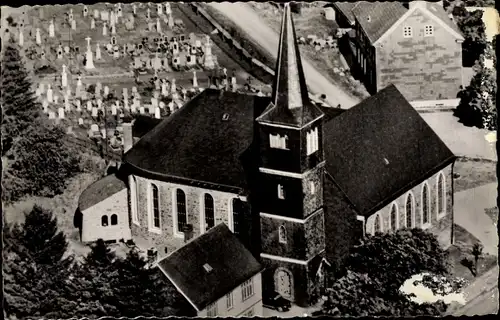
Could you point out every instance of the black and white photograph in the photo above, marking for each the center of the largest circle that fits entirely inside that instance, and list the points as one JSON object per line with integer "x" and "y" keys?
{"x": 249, "y": 159}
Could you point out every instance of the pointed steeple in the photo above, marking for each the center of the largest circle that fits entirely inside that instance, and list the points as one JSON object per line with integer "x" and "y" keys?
{"x": 290, "y": 103}
{"x": 289, "y": 89}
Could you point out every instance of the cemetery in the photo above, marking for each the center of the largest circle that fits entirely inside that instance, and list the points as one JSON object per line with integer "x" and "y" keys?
{"x": 96, "y": 65}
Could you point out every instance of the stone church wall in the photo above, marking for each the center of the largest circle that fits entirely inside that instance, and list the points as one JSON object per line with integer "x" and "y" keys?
{"x": 166, "y": 237}
{"x": 440, "y": 226}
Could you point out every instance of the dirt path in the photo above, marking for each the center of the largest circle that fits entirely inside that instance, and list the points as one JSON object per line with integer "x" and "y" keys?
{"x": 249, "y": 21}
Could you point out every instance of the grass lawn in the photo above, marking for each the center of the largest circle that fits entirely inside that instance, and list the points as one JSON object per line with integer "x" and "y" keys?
{"x": 462, "y": 249}
{"x": 63, "y": 206}
{"x": 492, "y": 213}
{"x": 474, "y": 173}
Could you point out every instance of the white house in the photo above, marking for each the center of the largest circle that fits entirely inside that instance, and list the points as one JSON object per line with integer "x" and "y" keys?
{"x": 217, "y": 275}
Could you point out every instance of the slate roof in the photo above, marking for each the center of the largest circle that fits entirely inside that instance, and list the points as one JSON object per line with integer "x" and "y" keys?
{"x": 439, "y": 12}
{"x": 379, "y": 148}
{"x": 382, "y": 15}
{"x": 100, "y": 190}
{"x": 231, "y": 264}
{"x": 346, "y": 9}
{"x": 195, "y": 143}
{"x": 143, "y": 124}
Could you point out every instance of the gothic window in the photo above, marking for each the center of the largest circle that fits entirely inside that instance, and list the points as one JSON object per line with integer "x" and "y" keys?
{"x": 394, "y": 217}
{"x": 312, "y": 141}
{"x": 429, "y": 31}
{"x": 237, "y": 214}
{"x": 407, "y": 32}
{"x": 155, "y": 206}
{"x": 377, "y": 226}
{"x": 281, "y": 192}
{"x": 425, "y": 205}
{"x": 181, "y": 210}
{"x": 133, "y": 199}
{"x": 441, "y": 195}
{"x": 114, "y": 220}
{"x": 229, "y": 300}
{"x": 278, "y": 142}
{"x": 104, "y": 221}
{"x": 209, "y": 212}
{"x": 282, "y": 234}
{"x": 212, "y": 310}
{"x": 409, "y": 210}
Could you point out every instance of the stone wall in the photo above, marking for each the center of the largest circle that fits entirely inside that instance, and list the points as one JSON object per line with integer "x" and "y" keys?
{"x": 440, "y": 225}
{"x": 166, "y": 236}
{"x": 422, "y": 68}
{"x": 315, "y": 234}
{"x": 92, "y": 228}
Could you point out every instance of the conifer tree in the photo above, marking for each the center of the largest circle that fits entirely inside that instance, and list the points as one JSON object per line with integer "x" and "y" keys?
{"x": 19, "y": 105}
{"x": 41, "y": 237}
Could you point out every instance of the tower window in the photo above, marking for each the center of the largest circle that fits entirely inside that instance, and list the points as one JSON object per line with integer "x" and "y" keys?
{"x": 237, "y": 212}
{"x": 282, "y": 234}
{"x": 407, "y": 32}
{"x": 441, "y": 195}
{"x": 133, "y": 199}
{"x": 394, "y": 217}
{"x": 429, "y": 31}
{"x": 114, "y": 220}
{"x": 281, "y": 192}
{"x": 278, "y": 142}
{"x": 312, "y": 187}
{"x": 209, "y": 212}
{"x": 312, "y": 141}
{"x": 155, "y": 206}
{"x": 425, "y": 205}
{"x": 181, "y": 210}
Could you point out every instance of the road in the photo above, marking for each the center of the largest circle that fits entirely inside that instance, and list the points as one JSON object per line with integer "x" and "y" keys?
{"x": 469, "y": 210}
{"x": 257, "y": 29}
{"x": 481, "y": 295}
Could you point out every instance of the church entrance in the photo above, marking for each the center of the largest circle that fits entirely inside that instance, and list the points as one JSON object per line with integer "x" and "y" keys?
{"x": 283, "y": 283}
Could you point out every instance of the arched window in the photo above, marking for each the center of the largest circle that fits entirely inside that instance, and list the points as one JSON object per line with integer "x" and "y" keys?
{"x": 237, "y": 215}
{"x": 425, "y": 205}
{"x": 377, "y": 226}
{"x": 441, "y": 195}
{"x": 114, "y": 220}
{"x": 133, "y": 199}
{"x": 156, "y": 206}
{"x": 394, "y": 217}
{"x": 282, "y": 234}
{"x": 409, "y": 210}
{"x": 209, "y": 212}
{"x": 104, "y": 221}
{"x": 181, "y": 210}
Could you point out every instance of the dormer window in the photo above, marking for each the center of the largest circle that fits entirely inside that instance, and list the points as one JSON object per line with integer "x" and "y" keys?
{"x": 281, "y": 192}
{"x": 407, "y": 32}
{"x": 278, "y": 142}
{"x": 429, "y": 31}
{"x": 312, "y": 141}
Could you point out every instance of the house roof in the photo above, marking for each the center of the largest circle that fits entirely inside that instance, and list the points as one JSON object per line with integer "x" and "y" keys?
{"x": 346, "y": 9}
{"x": 380, "y": 147}
{"x": 219, "y": 251}
{"x": 100, "y": 190}
{"x": 437, "y": 10}
{"x": 196, "y": 143}
{"x": 375, "y": 18}
{"x": 290, "y": 103}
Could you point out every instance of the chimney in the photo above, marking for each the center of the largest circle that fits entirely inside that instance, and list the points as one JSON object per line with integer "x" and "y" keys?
{"x": 128, "y": 139}
{"x": 188, "y": 232}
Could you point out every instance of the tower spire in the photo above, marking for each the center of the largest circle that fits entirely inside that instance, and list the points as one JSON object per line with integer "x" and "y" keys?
{"x": 290, "y": 89}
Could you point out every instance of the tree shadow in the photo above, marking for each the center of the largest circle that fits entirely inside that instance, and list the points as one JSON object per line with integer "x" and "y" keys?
{"x": 469, "y": 264}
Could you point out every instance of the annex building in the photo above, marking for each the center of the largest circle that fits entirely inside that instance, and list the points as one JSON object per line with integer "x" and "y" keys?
{"x": 298, "y": 184}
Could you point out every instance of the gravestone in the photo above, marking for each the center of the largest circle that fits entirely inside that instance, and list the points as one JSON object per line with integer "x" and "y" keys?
{"x": 80, "y": 121}
{"x": 85, "y": 11}
{"x": 60, "y": 52}
{"x": 113, "y": 29}
{"x": 38, "y": 39}
{"x": 159, "y": 9}
{"x": 99, "y": 104}
{"x": 113, "y": 110}
{"x": 134, "y": 9}
{"x": 141, "y": 110}
{"x": 89, "y": 105}
{"x": 92, "y": 24}
{"x": 116, "y": 52}
{"x": 49, "y": 94}
{"x": 94, "y": 112}
{"x": 88, "y": 56}
{"x": 104, "y": 29}
{"x": 73, "y": 24}
{"x": 158, "y": 25}
{"x": 96, "y": 14}
{"x": 162, "y": 105}
{"x": 94, "y": 127}
{"x": 78, "y": 105}
{"x": 157, "y": 113}
{"x": 195, "y": 79}
{"x": 98, "y": 88}
{"x": 61, "y": 113}
{"x": 106, "y": 91}
{"x": 66, "y": 49}
{"x": 52, "y": 115}
{"x": 45, "y": 105}
{"x": 52, "y": 31}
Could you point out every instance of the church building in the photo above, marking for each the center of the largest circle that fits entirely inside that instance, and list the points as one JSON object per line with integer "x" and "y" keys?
{"x": 298, "y": 184}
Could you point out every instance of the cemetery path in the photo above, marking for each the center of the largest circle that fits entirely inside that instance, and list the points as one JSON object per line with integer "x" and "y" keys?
{"x": 251, "y": 23}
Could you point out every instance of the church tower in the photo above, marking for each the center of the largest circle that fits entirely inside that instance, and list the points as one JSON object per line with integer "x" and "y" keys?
{"x": 290, "y": 195}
